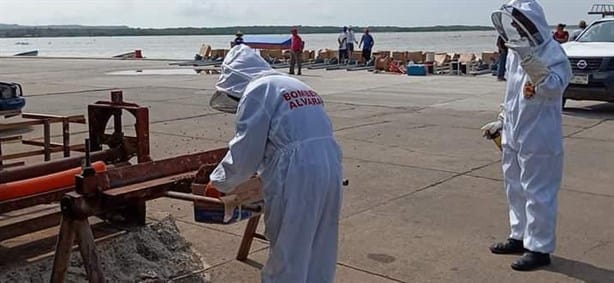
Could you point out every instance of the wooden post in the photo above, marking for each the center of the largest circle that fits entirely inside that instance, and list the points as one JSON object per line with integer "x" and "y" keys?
{"x": 47, "y": 139}
{"x": 63, "y": 249}
{"x": 248, "y": 238}
{"x": 87, "y": 247}
{"x": 66, "y": 137}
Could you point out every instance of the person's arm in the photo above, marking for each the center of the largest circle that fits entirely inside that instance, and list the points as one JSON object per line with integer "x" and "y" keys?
{"x": 362, "y": 38}
{"x": 549, "y": 81}
{"x": 246, "y": 149}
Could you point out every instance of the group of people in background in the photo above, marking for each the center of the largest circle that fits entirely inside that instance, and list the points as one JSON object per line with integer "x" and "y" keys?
{"x": 347, "y": 39}
{"x": 560, "y": 35}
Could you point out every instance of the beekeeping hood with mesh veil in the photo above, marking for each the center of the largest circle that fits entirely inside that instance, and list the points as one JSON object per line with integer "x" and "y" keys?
{"x": 240, "y": 66}
{"x": 522, "y": 20}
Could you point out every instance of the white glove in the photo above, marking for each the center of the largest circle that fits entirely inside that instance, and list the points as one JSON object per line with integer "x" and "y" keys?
{"x": 492, "y": 129}
{"x": 522, "y": 47}
{"x": 535, "y": 68}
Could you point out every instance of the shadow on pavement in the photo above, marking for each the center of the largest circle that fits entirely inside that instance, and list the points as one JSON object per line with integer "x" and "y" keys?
{"x": 581, "y": 271}
{"x": 595, "y": 111}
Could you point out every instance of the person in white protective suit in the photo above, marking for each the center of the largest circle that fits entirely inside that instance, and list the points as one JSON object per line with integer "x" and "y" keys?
{"x": 284, "y": 134}
{"x": 532, "y": 139}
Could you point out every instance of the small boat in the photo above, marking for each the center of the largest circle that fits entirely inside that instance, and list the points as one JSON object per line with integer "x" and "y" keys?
{"x": 29, "y": 53}
{"x": 136, "y": 54}
{"x": 22, "y": 43}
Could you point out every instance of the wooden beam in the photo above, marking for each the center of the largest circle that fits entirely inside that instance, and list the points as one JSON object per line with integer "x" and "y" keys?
{"x": 32, "y": 222}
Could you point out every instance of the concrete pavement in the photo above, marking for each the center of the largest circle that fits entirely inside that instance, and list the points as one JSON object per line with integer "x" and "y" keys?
{"x": 425, "y": 197}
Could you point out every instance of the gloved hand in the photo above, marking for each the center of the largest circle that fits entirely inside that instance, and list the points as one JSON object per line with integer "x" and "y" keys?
{"x": 535, "y": 68}
{"x": 492, "y": 129}
{"x": 521, "y": 46}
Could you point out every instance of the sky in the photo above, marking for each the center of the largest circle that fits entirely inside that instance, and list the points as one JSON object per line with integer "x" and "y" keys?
{"x": 217, "y": 13}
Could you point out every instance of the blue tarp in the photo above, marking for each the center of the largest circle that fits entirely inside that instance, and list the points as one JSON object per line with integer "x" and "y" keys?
{"x": 267, "y": 41}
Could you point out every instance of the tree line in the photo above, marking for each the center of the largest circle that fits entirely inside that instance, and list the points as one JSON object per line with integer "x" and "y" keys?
{"x": 68, "y": 31}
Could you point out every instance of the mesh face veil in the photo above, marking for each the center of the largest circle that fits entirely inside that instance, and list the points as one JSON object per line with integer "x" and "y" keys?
{"x": 513, "y": 25}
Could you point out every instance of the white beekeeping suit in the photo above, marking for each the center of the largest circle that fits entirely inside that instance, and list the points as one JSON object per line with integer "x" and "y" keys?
{"x": 284, "y": 134}
{"x": 538, "y": 73}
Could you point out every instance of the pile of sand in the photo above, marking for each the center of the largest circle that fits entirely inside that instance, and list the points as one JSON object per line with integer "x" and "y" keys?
{"x": 154, "y": 253}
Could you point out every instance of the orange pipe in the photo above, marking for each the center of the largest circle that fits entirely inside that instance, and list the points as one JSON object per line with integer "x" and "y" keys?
{"x": 45, "y": 183}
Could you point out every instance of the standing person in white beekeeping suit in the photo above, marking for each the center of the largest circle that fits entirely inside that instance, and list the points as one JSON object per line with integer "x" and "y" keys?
{"x": 532, "y": 139}
{"x": 284, "y": 134}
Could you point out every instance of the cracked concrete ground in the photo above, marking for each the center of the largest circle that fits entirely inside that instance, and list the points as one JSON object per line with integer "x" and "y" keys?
{"x": 425, "y": 197}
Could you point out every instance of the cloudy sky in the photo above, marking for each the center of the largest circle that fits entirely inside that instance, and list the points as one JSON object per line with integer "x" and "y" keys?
{"x": 212, "y": 13}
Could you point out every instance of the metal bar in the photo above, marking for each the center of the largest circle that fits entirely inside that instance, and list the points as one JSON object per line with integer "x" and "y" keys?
{"x": 87, "y": 247}
{"x": 80, "y": 119}
{"x": 47, "y": 139}
{"x": 248, "y": 238}
{"x": 31, "y": 171}
{"x": 260, "y": 236}
{"x": 55, "y": 147}
{"x": 10, "y": 139}
{"x": 191, "y": 197}
{"x": 19, "y": 125}
{"x": 66, "y": 137}
{"x": 22, "y": 154}
{"x": 63, "y": 249}
{"x": 20, "y": 226}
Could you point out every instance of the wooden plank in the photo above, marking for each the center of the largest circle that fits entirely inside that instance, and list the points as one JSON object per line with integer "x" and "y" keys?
{"x": 150, "y": 189}
{"x": 79, "y": 119}
{"x": 10, "y": 139}
{"x": 19, "y": 125}
{"x": 25, "y": 224}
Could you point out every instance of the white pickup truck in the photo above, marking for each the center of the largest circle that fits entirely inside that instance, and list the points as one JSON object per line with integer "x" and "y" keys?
{"x": 592, "y": 60}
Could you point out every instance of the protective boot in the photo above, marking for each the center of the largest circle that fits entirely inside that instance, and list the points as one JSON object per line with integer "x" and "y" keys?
{"x": 510, "y": 246}
{"x": 531, "y": 261}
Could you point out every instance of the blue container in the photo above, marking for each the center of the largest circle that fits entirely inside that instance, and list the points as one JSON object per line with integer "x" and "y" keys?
{"x": 210, "y": 216}
{"x": 416, "y": 70}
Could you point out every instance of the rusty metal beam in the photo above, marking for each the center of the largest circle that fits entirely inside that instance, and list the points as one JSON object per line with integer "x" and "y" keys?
{"x": 156, "y": 169}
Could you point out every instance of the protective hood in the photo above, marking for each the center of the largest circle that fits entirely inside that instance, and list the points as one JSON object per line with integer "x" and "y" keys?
{"x": 240, "y": 66}
{"x": 521, "y": 20}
